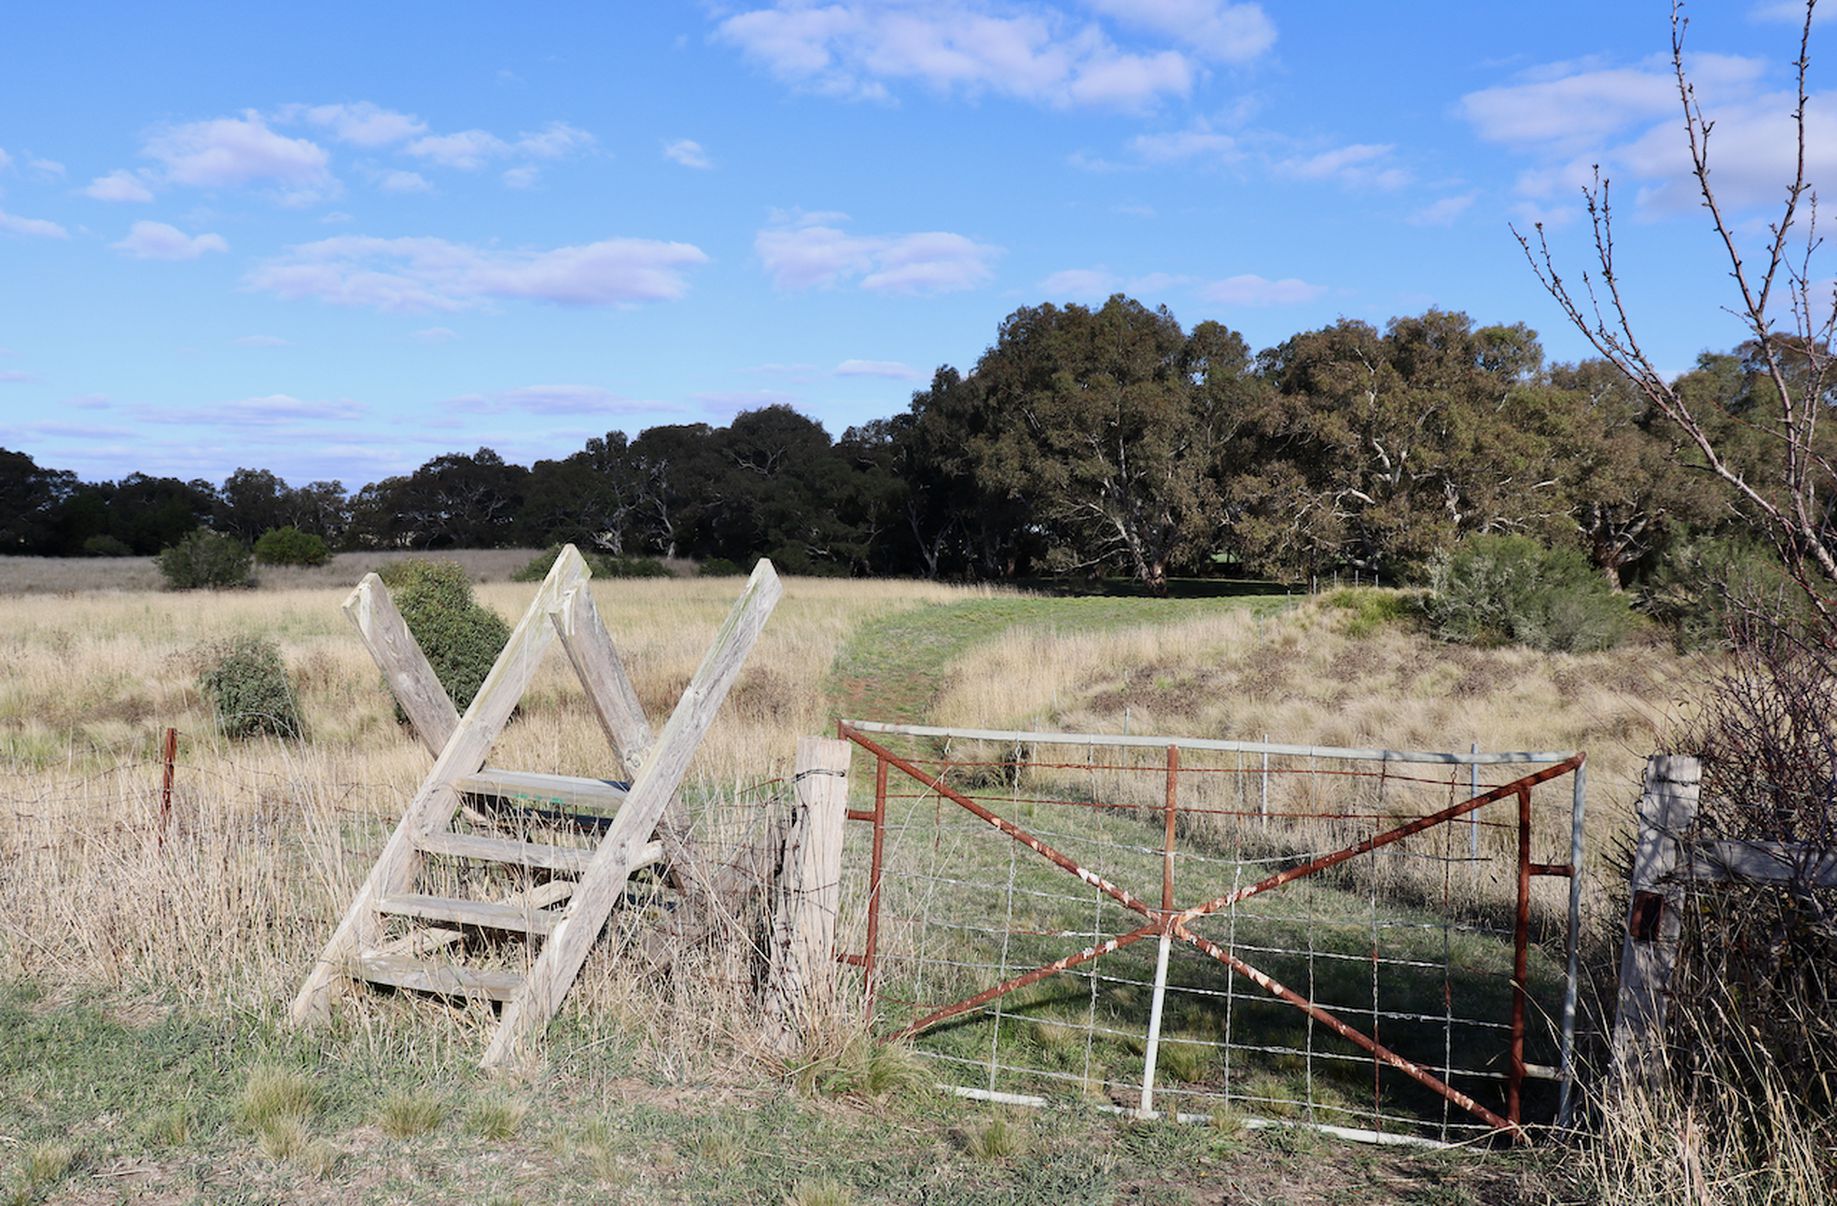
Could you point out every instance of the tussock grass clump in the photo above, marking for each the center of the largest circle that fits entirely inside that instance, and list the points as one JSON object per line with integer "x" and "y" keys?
{"x": 821, "y": 1192}
{"x": 47, "y": 1163}
{"x": 496, "y": 1118}
{"x": 862, "y": 1067}
{"x": 249, "y": 691}
{"x": 407, "y": 1113}
{"x": 273, "y": 1095}
{"x": 999, "y": 1137}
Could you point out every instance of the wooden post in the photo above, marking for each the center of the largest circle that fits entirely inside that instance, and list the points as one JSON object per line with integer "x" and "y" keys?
{"x": 1667, "y": 809}
{"x": 808, "y": 891}
{"x": 411, "y": 679}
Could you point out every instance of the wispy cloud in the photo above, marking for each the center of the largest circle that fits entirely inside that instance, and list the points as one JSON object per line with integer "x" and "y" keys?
{"x": 1252, "y": 290}
{"x": 32, "y": 228}
{"x": 688, "y": 153}
{"x": 551, "y": 400}
{"x": 435, "y": 335}
{"x": 892, "y": 370}
{"x": 265, "y": 411}
{"x": 1360, "y": 164}
{"x": 396, "y": 180}
{"x": 158, "y": 241}
{"x": 1444, "y": 211}
{"x": 811, "y": 250}
{"x": 236, "y": 152}
{"x": 118, "y": 185}
{"x": 361, "y": 124}
{"x": 429, "y": 274}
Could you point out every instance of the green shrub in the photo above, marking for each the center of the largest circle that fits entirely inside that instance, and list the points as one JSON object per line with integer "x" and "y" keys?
{"x": 1699, "y": 586}
{"x": 602, "y": 565}
{"x": 205, "y": 559}
{"x": 248, "y": 688}
{"x": 721, "y": 567}
{"x": 460, "y": 636}
{"x": 1495, "y": 590}
{"x": 1373, "y": 607}
{"x": 291, "y": 546}
{"x": 106, "y": 546}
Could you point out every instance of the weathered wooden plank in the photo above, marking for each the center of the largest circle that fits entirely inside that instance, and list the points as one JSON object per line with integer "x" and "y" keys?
{"x": 447, "y": 979}
{"x": 662, "y": 774}
{"x": 432, "y": 806}
{"x": 609, "y": 690}
{"x": 1764, "y": 863}
{"x": 405, "y": 668}
{"x": 1666, "y": 810}
{"x": 602, "y": 672}
{"x": 567, "y": 791}
{"x": 573, "y": 859}
{"x": 808, "y": 891}
{"x": 516, "y": 919}
{"x": 425, "y": 940}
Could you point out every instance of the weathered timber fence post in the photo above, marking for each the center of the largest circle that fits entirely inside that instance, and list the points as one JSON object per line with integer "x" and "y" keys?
{"x": 1667, "y": 808}
{"x": 808, "y": 890}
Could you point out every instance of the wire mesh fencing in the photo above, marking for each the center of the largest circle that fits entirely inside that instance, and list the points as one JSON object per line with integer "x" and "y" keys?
{"x": 1376, "y": 942}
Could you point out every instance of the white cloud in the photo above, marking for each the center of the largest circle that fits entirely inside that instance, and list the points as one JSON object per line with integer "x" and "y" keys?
{"x": 854, "y": 49}
{"x": 687, "y": 152}
{"x": 87, "y": 402}
{"x": 1360, "y": 164}
{"x": 525, "y": 176}
{"x": 233, "y": 152}
{"x": 362, "y": 124}
{"x": 1576, "y": 106}
{"x": 118, "y": 185}
{"x": 554, "y": 141}
{"x": 1252, "y": 290}
{"x": 261, "y": 341}
{"x": 466, "y": 150}
{"x": 15, "y": 377}
{"x": 422, "y": 274}
{"x": 892, "y": 370}
{"x": 1226, "y": 32}
{"x": 469, "y": 150}
{"x": 1180, "y": 145}
{"x": 1444, "y": 211}
{"x": 158, "y": 241}
{"x": 435, "y": 335}
{"x": 265, "y": 411}
{"x": 547, "y": 400}
{"x": 396, "y": 180}
{"x": 37, "y": 228}
{"x": 45, "y": 169}
{"x": 1080, "y": 284}
{"x": 806, "y": 251}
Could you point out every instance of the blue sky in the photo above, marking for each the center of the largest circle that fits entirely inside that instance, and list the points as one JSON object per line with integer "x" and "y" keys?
{"x": 334, "y": 240}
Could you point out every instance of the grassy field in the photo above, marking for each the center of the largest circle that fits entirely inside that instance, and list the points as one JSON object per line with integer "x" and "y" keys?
{"x": 143, "y": 984}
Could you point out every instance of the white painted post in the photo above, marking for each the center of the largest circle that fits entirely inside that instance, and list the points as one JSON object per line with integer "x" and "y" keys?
{"x": 1667, "y": 808}
{"x": 1153, "y": 1051}
{"x": 1473, "y": 818}
{"x": 1263, "y": 794}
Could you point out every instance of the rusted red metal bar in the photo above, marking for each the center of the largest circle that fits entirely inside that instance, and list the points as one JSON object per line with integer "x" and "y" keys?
{"x": 1380, "y": 840}
{"x": 876, "y": 866}
{"x": 1037, "y": 974}
{"x": 165, "y": 785}
{"x": 1408, "y": 1067}
{"x": 1521, "y": 963}
{"x": 1127, "y": 899}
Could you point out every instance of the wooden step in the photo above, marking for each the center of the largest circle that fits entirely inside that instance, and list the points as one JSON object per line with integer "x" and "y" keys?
{"x": 447, "y": 979}
{"x": 572, "y": 859}
{"x": 525, "y": 854}
{"x": 530, "y": 787}
{"x": 519, "y": 919}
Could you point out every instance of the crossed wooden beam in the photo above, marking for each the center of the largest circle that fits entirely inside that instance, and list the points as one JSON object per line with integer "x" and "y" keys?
{"x": 569, "y": 917}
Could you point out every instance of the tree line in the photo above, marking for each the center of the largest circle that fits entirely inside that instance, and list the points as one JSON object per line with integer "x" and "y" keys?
{"x": 1104, "y": 441}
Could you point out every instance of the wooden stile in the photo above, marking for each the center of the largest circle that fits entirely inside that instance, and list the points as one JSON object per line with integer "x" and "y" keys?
{"x": 562, "y": 608}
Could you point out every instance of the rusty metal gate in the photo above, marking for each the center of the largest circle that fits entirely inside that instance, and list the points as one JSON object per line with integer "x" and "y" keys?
{"x": 1431, "y": 958}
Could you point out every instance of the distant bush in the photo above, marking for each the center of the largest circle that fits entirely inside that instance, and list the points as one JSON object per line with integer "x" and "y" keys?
{"x": 460, "y": 636}
{"x": 1699, "y": 586}
{"x": 602, "y": 565}
{"x": 291, "y": 546}
{"x": 1373, "y": 608}
{"x": 1496, "y": 590}
{"x": 248, "y": 688}
{"x": 105, "y": 545}
{"x": 205, "y": 559}
{"x": 721, "y": 567}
